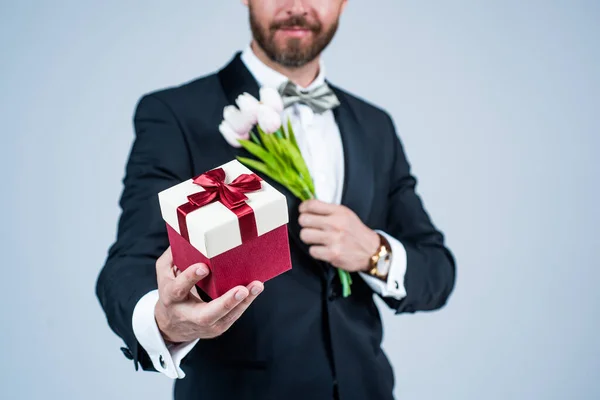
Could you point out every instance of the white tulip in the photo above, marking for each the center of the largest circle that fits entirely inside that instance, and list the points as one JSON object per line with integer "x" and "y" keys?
{"x": 237, "y": 120}
{"x": 229, "y": 134}
{"x": 248, "y": 105}
{"x": 268, "y": 119}
{"x": 270, "y": 97}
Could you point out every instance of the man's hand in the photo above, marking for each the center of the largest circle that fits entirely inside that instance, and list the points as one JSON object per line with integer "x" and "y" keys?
{"x": 337, "y": 235}
{"x": 180, "y": 313}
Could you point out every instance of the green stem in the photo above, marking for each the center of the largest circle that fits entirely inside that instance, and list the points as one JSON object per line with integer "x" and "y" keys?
{"x": 307, "y": 194}
{"x": 346, "y": 282}
{"x": 255, "y": 138}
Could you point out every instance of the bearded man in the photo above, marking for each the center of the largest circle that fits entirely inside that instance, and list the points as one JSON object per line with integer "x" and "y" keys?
{"x": 295, "y": 337}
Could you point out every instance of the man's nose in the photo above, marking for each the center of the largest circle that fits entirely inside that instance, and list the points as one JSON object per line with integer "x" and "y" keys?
{"x": 297, "y": 7}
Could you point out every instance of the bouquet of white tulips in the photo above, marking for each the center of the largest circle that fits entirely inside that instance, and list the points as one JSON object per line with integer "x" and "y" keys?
{"x": 277, "y": 152}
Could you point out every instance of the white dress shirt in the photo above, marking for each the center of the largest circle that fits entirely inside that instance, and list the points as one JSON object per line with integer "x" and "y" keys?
{"x": 320, "y": 142}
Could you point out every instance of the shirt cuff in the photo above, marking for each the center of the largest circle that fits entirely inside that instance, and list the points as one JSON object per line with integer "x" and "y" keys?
{"x": 165, "y": 359}
{"x": 394, "y": 287}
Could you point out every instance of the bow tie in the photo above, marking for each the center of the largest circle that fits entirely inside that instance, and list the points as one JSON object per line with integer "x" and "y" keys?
{"x": 319, "y": 99}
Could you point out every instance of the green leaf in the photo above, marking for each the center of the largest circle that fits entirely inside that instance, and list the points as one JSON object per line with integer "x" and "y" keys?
{"x": 291, "y": 134}
{"x": 298, "y": 188}
{"x": 282, "y": 161}
{"x": 299, "y": 163}
{"x": 294, "y": 190}
{"x": 272, "y": 145}
{"x": 257, "y": 165}
{"x": 273, "y": 174}
{"x": 266, "y": 141}
{"x": 304, "y": 189}
{"x": 258, "y": 151}
{"x": 281, "y": 151}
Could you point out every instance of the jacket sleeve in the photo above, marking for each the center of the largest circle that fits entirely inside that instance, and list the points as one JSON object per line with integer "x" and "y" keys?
{"x": 430, "y": 266}
{"x": 159, "y": 159}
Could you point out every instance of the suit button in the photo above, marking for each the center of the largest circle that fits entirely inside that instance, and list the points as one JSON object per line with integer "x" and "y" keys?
{"x": 161, "y": 360}
{"x": 127, "y": 353}
{"x": 397, "y": 284}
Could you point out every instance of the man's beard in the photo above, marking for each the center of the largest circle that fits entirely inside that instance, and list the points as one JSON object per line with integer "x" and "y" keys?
{"x": 292, "y": 54}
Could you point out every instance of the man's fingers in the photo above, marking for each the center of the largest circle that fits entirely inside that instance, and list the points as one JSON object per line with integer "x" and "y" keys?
{"x": 314, "y": 236}
{"x": 164, "y": 264}
{"x": 316, "y": 221}
{"x": 194, "y": 290}
{"x": 176, "y": 271}
{"x": 213, "y": 311}
{"x": 317, "y": 207}
{"x": 320, "y": 253}
{"x": 179, "y": 289}
{"x": 225, "y": 323}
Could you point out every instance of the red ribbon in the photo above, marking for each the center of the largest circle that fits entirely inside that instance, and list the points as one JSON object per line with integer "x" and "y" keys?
{"x": 230, "y": 194}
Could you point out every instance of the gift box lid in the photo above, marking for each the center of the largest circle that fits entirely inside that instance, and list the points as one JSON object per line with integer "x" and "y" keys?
{"x": 214, "y": 229}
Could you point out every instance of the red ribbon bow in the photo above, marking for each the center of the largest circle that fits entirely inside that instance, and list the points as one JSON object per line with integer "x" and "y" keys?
{"x": 230, "y": 194}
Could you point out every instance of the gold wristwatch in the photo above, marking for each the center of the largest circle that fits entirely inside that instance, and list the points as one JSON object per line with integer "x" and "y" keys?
{"x": 381, "y": 261}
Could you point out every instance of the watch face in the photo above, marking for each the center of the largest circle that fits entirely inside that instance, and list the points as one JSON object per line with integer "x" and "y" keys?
{"x": 384, "y": 263}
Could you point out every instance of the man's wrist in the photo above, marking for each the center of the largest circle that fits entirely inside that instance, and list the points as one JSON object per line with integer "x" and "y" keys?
{"x": 374, "y": 244}
{"x": 158, "y": 314}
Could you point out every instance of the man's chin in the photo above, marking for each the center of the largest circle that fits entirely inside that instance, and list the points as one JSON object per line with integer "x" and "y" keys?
{"x": 294, "y": 47}
{"x": 292, "y": 43}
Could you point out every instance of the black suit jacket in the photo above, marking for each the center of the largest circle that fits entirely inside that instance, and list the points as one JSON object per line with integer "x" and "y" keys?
{"x": 300, "y": 339}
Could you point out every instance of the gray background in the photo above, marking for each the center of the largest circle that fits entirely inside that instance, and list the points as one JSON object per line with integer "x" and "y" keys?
{"x": 494, "y": 100}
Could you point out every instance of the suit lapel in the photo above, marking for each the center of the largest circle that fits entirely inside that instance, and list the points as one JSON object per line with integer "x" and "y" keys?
{"x": 235, "y": 80}
{"x": 359, "y": 173}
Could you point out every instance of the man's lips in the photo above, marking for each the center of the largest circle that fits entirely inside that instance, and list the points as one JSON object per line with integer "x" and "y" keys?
{"x": 295, "y": 31}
